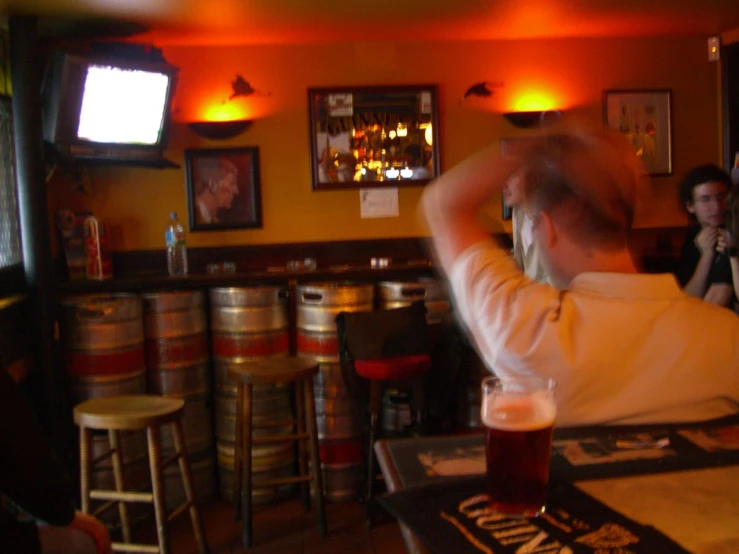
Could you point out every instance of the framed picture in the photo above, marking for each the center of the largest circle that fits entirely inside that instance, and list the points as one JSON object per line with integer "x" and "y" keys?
{"x": 368, "y": 137}
{"x": 644, "y": 118}
{"x": 223, "y": 189}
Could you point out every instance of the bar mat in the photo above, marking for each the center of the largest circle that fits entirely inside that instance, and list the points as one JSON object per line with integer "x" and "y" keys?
{"x": 580, "y": 454}
{"x": 452, "y": 517}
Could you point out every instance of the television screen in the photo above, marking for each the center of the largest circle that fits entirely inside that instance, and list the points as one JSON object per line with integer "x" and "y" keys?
{"x": 122, "y": 105}
{"x": 107, "y": 106}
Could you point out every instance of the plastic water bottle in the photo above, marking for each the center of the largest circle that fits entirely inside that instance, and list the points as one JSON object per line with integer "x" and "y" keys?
{"x": 176, "y": 248}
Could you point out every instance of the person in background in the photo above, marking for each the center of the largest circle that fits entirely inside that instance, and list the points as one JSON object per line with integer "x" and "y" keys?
{"x": 703, "y": 272}
{"x": 38, "y": 515}
{"x": 524, "y": 249}
{"x": 624, "y": 347}
{"x": 727, "y": 239}
{"x": 218, "y": 186}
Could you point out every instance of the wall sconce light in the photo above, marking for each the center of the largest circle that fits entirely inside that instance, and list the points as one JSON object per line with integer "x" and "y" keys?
{"x": 537, "y": 118}
{"x": 220, "y": 130}
{"x": 219, "y": 126}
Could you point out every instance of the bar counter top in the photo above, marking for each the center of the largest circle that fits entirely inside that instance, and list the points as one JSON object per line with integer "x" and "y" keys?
{"x": 274, "y": 275}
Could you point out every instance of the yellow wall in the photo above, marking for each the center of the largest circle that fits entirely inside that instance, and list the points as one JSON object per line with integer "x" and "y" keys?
{"x": 573, "y": 72}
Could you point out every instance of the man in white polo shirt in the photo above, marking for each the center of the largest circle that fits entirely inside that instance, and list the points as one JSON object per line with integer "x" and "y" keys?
{"x": 624, "y": 347}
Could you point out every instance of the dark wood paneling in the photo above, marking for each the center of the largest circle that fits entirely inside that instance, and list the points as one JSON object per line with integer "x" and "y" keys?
{"x": 251, "y": 258}
{"x": 338, "y": 260}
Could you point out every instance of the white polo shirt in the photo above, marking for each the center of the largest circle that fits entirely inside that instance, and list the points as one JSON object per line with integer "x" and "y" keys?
{"x": 623, "y": 348}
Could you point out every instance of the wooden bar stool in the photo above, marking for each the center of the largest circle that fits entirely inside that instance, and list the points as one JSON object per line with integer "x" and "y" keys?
{"x": 149, "y": 412}
{"x": 300, "y": 371}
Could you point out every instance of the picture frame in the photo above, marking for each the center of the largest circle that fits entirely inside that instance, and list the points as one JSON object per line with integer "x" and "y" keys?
{"x": 644, "y": 117}
{"x": 223, "y": 188}
{"x": 373, "y": 136}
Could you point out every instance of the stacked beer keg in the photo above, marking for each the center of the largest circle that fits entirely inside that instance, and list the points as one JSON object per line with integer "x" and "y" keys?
{"x": 339, "y": 417}
{"x": 249, "y": 323}
{"x": 102, "y": 339}
{"x": 178, "y": 364}
{"x": 397, "y": 294}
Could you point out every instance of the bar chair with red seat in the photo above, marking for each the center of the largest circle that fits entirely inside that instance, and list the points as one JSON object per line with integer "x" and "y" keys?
{"x": 380, "y": 349}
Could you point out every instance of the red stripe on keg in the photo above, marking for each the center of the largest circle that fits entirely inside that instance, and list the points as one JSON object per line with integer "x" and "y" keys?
{"x": 326, "y": 344}
{"x": 341, "y": 452}
{"x": 161, "y": 352}
{"x": 83, "y": 364}
{"x": 233, "y": 346}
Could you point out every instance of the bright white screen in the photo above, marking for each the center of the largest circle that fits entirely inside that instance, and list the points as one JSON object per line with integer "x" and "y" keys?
{"x": 122, "y": 106}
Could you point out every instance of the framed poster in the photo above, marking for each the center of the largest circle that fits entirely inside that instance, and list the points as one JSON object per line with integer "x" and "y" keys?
{"x": 645, "y": 120}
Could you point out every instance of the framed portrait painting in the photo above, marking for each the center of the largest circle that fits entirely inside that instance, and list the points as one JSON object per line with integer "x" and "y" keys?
{"x": 645, "y": 120}
{"x": 223, "y": 188}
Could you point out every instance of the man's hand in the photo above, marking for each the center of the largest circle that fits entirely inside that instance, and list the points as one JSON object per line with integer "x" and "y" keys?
{"x": 706, "y": 240}
{"x": 724, "y": 240}
{"x": 719, "y": 294}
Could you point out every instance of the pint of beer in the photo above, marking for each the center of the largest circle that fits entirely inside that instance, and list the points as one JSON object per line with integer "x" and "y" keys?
{"x": 518, "y": 414}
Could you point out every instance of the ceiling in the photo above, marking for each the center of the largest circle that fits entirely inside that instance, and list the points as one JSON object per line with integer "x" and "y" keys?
{"x": 212, "y": 22}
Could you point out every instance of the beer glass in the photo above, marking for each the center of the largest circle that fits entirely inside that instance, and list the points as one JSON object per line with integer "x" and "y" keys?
{"x": 518, "y": 414}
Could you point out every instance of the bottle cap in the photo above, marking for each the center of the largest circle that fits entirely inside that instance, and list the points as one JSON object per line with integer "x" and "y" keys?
{"x": 172, "y": 215}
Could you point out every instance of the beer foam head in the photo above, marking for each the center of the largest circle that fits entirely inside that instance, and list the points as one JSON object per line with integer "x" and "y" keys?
{"x": 519, "y": 412}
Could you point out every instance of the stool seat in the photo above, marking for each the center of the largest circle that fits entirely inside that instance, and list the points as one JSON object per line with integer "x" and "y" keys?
{"x": 136, "y": 411}
{"x": 275, "y": 370}
{"x": 390, "y": 369}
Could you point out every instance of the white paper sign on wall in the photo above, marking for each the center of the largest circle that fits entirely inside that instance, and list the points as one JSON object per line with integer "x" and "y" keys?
{"x": 379, "y": 202}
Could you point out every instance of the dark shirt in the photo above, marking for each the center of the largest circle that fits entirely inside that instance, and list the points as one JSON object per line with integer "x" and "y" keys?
{"x": 689, "y": 256}
{"x": 30, "y": 473}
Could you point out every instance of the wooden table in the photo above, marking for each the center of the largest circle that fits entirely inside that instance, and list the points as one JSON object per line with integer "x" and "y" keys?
{"x": 687, "y": 493}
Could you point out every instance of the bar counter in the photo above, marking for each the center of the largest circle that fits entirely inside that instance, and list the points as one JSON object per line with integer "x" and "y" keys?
{"x": 142, "y": 281}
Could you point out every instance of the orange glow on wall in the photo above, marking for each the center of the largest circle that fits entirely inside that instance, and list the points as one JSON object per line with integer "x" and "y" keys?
{"x": 535, "y": 101}
{"x": 228, "y": 111}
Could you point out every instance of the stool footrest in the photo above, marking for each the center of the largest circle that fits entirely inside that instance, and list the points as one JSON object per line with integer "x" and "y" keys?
{"x": 267, "y": 483}
{"x": 171, "y": 460}
{"x": 279, "y": 438}
{"x": 103, "y": 456}
{"x": 127, "y": 547}
{"x": 104, "y": 508}
{"x": 122, "y": 496}
{"x": 276, "y": 423}
{"x": 179, "y": 510}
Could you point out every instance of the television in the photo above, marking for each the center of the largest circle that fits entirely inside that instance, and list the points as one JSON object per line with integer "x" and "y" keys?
{"x": 101, "y": 107}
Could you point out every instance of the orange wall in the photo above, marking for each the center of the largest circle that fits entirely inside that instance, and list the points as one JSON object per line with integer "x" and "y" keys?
{"x": 573, "y": 72}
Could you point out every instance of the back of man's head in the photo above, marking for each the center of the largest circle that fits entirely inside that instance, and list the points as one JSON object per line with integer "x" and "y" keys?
{"x": 587, "y": 183}
{"x": 706, "y": 173}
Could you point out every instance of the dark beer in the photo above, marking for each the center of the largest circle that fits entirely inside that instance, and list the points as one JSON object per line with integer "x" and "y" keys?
{"x": 518, "y": 444}
{"x": 518, "y": 469}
